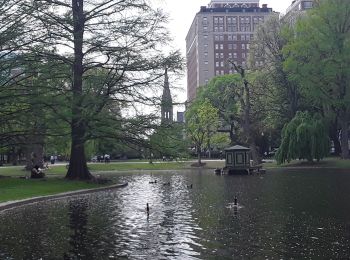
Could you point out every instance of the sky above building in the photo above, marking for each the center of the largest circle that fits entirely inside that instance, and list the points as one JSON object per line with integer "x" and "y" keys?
{"x": 182, "y": 13}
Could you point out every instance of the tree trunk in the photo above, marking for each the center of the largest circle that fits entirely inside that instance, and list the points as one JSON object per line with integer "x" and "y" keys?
{"x": 254, "y": 153}
{"x": 34, "y": 156}
{"x": 199, "y": 154}
{"x": 209, "y": 149}
{"x": 77, "y": 163}
{"x": 34, "y": 151}
{"x": 344, "y": 136}
{"x": 247, "y": 125}
{"x": 334, "y": 136}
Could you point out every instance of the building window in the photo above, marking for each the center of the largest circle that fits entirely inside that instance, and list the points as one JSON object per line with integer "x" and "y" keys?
{"x": 222, "y": 64}
{"x": 231, "y": 24}
{"x": 243, "y": 55}
{"x": 216, "y": 55}
{"x": 205, "y": 20}
{"x": 243, "y": 46}
{"x": 221, "y": 55}
{"x": 205, "y": 28}
{"x": 221, "y": 46}
{"x": 206, "y": 62}
{"x": 216, "y": 46}
{"x": 217, "y": 64}
{"x": 308, "y": 5}
{"x": 235, "y": 46}
{"x": 205, "y": 54}
{"x": 230, "y": 46}
{"x": 235, "y": 55}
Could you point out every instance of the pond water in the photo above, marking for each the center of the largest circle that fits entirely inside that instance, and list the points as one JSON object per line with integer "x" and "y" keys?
{"x": 289, "y": 214}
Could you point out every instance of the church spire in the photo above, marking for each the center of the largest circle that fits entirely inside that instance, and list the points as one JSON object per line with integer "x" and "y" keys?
{"x": 167, "y": 102}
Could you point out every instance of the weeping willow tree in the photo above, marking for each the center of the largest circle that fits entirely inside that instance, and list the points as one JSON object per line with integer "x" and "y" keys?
{"x": 305, "y": 137}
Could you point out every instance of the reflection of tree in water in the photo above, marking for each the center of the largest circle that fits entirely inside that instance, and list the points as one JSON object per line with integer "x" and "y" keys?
{"x": 80, "y": 244}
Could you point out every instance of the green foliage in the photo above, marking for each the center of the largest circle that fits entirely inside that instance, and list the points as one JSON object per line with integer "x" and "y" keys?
{"x": 220, "y": 140}
{"x": 169, "y": 141}
{"x": 202, "y": 121}
{"x": 305, "y": 137}
{"x": 221, "y": 94}
{"x": 319, "y": 55}
{"x": 318, "y": 60}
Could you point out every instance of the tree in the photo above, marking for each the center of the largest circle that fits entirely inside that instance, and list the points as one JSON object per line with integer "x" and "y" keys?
{"x": 169, "y": 140}
{"x": 249, "y": 99}
{"x": 305, "y": 137}
{"x": 318, "y": 60}
{"x": 221, "y": 95}
{"x": 202, "y": 121}
{"x": 267, "y": 57}
{"x": 240, "y": 100}
{"x": 117, "y": 44}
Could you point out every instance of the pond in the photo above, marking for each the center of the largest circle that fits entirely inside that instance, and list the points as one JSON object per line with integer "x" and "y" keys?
{"x": 284, "y": 214}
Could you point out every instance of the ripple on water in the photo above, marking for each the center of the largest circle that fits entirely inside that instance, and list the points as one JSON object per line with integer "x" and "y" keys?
{"x": 283, "y": 218}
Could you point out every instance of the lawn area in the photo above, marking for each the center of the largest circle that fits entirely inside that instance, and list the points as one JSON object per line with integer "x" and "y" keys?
{"x": 16, "y": 189}
{"x": 331, "y": 162}
{"x": 99, "y": 167}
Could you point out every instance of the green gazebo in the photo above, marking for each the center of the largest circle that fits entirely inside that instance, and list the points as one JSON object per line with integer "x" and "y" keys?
{"x": 237, "y": 158}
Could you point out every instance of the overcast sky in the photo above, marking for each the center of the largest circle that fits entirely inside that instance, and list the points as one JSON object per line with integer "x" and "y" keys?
{"x": 182, "y": 13}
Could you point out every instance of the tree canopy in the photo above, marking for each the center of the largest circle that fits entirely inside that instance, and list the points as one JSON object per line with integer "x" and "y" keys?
{"x": 104, "y": 62}
{"x": 318, "y": 60}
{"x": 305, "y": 137}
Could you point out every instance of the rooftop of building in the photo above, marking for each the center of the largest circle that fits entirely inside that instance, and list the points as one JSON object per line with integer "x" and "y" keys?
{"x": 263, "y": 9}
{"x": 234, "y": 2}
{"x": 295, "y": 3}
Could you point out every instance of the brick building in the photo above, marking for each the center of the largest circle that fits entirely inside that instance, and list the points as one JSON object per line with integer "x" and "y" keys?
{"x": 220, "y": 31}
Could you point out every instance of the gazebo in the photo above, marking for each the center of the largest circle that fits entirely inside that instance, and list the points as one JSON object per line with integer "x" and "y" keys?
{"x": 237, "y": 159}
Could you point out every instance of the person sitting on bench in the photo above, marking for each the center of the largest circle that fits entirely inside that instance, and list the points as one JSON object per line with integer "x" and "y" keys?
{"x": 37, "y": 173}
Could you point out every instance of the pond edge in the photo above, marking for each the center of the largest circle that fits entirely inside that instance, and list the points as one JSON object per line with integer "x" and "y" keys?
{"x": 17, "y": 203}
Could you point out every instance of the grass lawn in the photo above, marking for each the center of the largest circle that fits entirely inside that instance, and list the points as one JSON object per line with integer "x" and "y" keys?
{"x": 99, "y": 167}
{"x": 16, "y": 189}
{"x": 331, "y": 162}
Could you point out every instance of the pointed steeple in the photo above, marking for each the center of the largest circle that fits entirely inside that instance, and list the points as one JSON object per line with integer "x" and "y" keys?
{"x": 167, "y": 102}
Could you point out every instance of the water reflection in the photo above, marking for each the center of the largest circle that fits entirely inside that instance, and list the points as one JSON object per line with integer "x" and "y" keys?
{"x": 80, "y": 246}
{"x": 284, "y": 215}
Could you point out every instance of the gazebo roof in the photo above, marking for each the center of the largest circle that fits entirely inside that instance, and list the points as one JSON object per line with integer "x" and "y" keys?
{"x": 237, "y": 148}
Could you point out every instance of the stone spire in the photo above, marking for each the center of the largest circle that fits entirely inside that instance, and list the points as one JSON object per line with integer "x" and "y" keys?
{"x": 167, "y": 102}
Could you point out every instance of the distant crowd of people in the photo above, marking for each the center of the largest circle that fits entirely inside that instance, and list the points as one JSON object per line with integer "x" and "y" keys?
{"x": 103, "y": 158}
